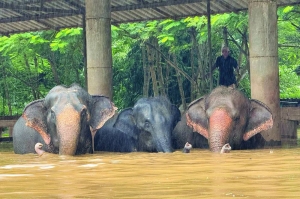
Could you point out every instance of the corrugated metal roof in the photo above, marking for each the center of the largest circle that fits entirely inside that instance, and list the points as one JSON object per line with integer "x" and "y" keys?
{"x": 31, "y": 15}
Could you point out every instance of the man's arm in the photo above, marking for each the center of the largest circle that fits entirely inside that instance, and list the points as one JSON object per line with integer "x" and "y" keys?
{"x": 236, "y": 66}
{"x": 215, "y": 65}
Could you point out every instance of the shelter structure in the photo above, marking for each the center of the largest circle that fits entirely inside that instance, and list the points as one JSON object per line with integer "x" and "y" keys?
{"x": 96, "y": 16}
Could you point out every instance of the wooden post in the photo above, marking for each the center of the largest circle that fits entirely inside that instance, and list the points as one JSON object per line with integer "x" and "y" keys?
{"x": 84, "y": 50}
{"x": 263, "y": 39}
{"x": 290, "y": 116}
{"x": 98, "y": 39}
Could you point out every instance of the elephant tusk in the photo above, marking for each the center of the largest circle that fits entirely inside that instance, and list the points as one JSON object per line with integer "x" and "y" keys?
{"x": 226, "y": 148}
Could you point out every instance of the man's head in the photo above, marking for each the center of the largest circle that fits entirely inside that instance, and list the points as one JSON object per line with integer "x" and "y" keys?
{"x": 225, "y": 51}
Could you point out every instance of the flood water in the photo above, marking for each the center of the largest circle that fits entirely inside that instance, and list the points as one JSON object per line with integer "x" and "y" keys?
{"x": 267, "y": 173}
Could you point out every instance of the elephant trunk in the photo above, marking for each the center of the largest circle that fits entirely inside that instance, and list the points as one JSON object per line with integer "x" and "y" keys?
{"x": 163, "y": 141}
{"x": 68, "y": 130}
{"x": 220, "y": 125}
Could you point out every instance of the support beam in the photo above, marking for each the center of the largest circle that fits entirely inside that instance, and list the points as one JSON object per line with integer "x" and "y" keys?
{"x": 263, "y": 39}
{"x": 209, "y": 44}
{"x": 98, "y": 39}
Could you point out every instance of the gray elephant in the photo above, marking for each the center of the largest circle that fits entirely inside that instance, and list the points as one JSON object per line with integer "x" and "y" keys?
{"x": 64, "y": 122}
{"x": 145, "y": 127}
{"x": 183, "y": 133}
{"x": 226, "y": 115}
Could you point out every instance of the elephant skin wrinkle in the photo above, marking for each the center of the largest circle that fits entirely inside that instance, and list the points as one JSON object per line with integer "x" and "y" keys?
{"x": 220, "y": 123}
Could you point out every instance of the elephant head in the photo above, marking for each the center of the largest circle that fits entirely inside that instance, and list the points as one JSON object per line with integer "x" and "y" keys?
{"x": 67, "y": 119}
{"x": 156, "y": 117}
{"x": 227, "y": 116}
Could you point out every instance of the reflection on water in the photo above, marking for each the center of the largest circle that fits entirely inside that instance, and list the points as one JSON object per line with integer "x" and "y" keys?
{"x": 200, "y": 174}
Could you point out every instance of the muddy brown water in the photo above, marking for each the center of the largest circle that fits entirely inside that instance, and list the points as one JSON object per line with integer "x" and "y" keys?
{"x": 267, "y": 173}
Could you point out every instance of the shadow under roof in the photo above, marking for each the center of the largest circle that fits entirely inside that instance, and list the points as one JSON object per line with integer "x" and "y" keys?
{"x": 32, "y": 15}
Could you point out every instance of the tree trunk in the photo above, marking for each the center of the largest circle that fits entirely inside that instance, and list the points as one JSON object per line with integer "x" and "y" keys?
{"x": 244, "y": 51}
{"x": 7, "y": 93}
{"x": 36, "y": 82}
{"x": 54, "y": 70}
{"x": 151, "y": 60}
{"x": 180, "y": 84}
{"x": 247, "y": 54}
{"x": 194, "y": 70}
{"x": 146, "y": 73}
{"x": 159, "y": 71}
{"x": 225, "y": 36}
{"x": 30, "y": 78}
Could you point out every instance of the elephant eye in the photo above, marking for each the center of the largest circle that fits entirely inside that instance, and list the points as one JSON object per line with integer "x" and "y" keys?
{"x": 147, "y": 125}
{"x": 52, "y": 114}
{"x": 83, "y": 113}
{"x": 237, "y": 118}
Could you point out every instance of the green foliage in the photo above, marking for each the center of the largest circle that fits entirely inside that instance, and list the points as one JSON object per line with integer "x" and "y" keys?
{"x": 288, "y": 52}
{"x": 289, "y": 83}
{"x": 32, "y": 63}
{"x": 28, "y": 60}
{"x": 128, "y": 78}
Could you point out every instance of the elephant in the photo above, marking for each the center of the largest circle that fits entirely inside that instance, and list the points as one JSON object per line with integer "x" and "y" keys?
{"x": 183, "y": 133}
{"x": 147, "y": 126}
{"x": 118, "y": 134}
{"x": 64, "y": 122}
{"x": 226, "y": 115}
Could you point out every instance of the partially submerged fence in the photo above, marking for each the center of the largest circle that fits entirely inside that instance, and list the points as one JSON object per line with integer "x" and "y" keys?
{"x": 7, "y": 121}
{"x": 290, "y": 118}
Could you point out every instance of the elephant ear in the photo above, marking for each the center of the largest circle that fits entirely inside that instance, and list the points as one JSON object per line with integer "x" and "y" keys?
{"x": 196, "y": 117}
{"x": 260, "y": 119}
{"x": 125, "y": 123}
{"x": 101, "y": 109}
{"x": 35, "y": 117}
{"x": 175, "y": 113}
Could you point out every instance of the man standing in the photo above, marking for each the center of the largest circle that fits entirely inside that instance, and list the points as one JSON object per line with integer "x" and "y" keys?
{"x": 226, "y": 65}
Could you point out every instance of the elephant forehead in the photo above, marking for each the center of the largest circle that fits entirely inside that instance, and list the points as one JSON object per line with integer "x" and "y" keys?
{"x": 150, "y": 111}
{"x": 61, "y": 99}
{"x": 142, "y": 110}
{"x": 217, "y": 104}
{"x": 68, "y": 116}
{"x": 234, "y": 106}
{"x": 224, "y": 96}
{"x": 68, "y": 108}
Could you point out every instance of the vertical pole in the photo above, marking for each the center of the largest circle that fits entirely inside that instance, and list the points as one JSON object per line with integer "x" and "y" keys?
{"x": 263, "y": 39}
{"x": 209, "y": 44}
{"x": 84, "y": 50}
{"x": 99, "y": 55}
